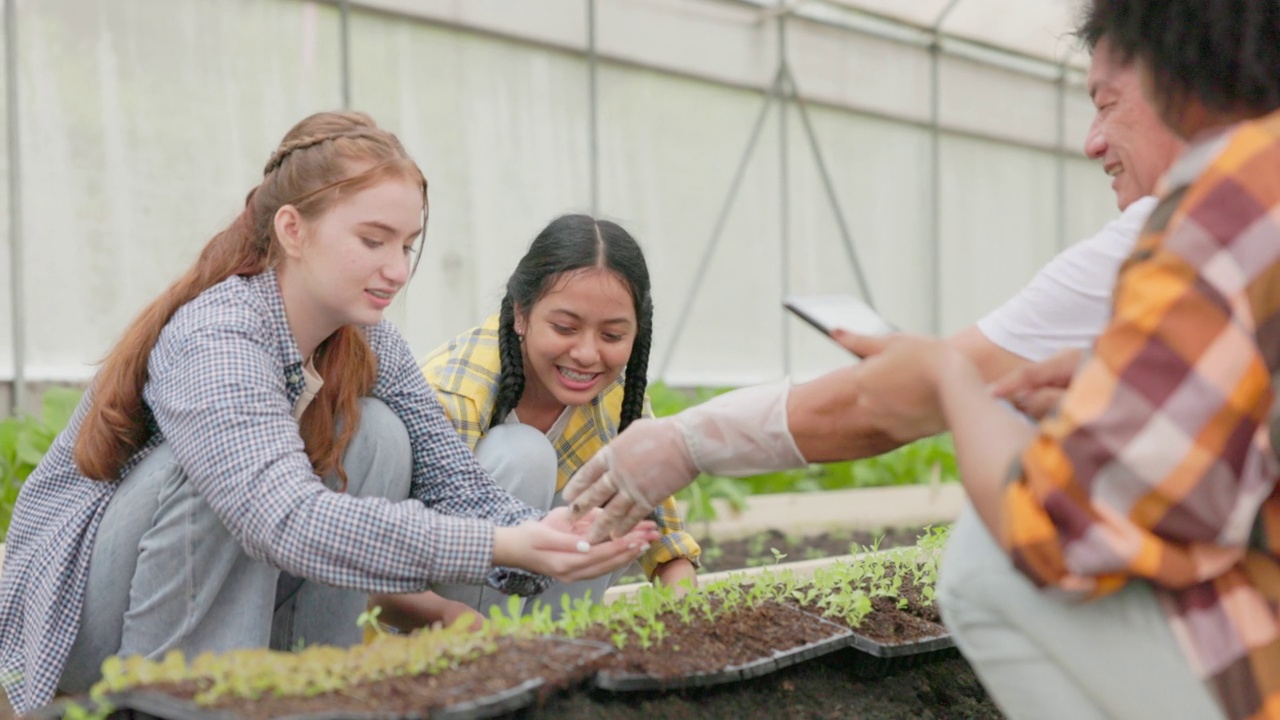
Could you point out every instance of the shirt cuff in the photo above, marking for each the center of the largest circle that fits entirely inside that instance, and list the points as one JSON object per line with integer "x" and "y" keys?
{"x": 512, "y": 581}
{"x": 461, "y": 551}
{"x": 670, "y": 547}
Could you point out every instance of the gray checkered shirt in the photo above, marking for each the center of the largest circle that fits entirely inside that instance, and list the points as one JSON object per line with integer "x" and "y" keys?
{"x": 223, "y": 379}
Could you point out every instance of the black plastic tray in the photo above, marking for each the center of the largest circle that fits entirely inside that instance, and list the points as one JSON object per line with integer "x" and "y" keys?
{"x": 150, "y": 705}
{"x": 874, "y": 659}
{"x": 631, "y": 682}
{"x": 157, "y": 706}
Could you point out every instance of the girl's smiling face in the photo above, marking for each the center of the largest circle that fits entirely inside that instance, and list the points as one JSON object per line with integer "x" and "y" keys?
{"x": 577, "y": 339}
{"x": 346, "y": 266}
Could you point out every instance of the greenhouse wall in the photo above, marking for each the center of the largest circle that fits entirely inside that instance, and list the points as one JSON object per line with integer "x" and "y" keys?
{"x": 143, "y": 123}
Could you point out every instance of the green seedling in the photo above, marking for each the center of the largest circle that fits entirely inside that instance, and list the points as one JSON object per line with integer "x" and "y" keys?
{"x": 369, "y": 620}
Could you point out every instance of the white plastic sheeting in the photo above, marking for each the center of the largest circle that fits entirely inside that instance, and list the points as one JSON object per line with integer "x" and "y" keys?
{"x": 145, "y": 122}
{"x": 1036, "y": 28}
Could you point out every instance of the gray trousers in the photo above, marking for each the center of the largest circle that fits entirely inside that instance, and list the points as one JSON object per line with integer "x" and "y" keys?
{"x": 1046, "y": 659}
{"x": 521, "y": 460}
{"x": 166, "y": 574}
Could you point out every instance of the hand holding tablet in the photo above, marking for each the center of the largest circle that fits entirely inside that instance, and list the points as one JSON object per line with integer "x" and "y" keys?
{"x": 846, "y": 312}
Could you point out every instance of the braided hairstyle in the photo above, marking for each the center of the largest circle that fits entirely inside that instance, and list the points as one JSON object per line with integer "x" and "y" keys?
{"x": 572, "y": 243}
{"x": 322, "y": 157}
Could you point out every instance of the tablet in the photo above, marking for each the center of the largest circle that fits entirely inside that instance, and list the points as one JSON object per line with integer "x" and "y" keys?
{"x": 828, "y": 312}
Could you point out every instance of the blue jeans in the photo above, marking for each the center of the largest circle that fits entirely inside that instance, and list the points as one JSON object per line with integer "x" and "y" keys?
{"x": 166, "y": 574}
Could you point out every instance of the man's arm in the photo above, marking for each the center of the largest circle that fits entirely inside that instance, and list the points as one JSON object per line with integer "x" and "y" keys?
{"x": 826, "y": 422}
{"x": 993, "y": 361}
{"x": 829, "y": 426}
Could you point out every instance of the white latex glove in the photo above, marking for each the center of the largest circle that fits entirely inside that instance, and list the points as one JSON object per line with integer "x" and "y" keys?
{"x": 743, "y": 432}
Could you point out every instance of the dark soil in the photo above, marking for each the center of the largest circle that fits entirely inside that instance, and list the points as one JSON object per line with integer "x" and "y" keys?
{"x": 757, "y": 549}
{"x": 826, "y": 688}
{"x": 734, "y": 638}
{"x": 516, "y": 661}
{"x": 847, "y": 683}
{"x": 895, "y": 621}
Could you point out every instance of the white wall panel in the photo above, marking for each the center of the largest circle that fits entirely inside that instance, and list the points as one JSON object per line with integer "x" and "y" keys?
{"x": 144, "y": 124}
{"x": 146, "y": 121}
{"x": 500, "y": 129}
{"x": 998, "y": 224}
{"x": 1089, "y": 200}
{"x": 998, "y": 103}
{"x": 6, "y": 286}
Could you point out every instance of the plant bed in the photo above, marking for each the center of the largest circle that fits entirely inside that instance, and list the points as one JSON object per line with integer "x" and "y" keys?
{"x": 756, "y": 550}
{"x": 886, "y": 599}
{"x": 879, "y": 620}
{"x": 826, "y": 687}
{"x": 448, "y": 675}
{"x": 740, "y": 644}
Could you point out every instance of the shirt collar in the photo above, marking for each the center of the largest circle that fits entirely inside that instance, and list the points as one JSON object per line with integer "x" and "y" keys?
{"x": 1196, "y": 158}
{"x": 267, "y": 286}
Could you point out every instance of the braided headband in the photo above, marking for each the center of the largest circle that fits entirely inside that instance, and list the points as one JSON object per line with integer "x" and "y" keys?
{"x": 303, "y": 143}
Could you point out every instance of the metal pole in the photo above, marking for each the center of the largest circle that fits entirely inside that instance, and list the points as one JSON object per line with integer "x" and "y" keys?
{"x": 935, "y": 158}
{"x": 593, "y": 110}
{"x": 19, "y": 397}
{"x": 935, "y": 191}
{"x": 344, "y": 33}
{"x": 784, "y": 185}
{"x": 1062, "y": 158}
{"x": 830, "y": 188}
{"x": 718, "y": 229}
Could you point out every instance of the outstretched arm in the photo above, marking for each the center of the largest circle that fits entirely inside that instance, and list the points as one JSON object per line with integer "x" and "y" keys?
{"x": 827, "y": 423}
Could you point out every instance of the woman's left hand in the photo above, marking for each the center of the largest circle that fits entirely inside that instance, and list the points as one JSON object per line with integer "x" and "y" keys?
{"x": 898, "y": 381}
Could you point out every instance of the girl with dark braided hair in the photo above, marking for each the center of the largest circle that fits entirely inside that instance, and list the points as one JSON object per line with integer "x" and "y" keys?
{"x": 538, "y": 388}
{"x": 260, "y": 451}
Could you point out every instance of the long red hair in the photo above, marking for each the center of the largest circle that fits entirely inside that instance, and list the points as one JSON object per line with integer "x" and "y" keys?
{"x": 309, "y": 171}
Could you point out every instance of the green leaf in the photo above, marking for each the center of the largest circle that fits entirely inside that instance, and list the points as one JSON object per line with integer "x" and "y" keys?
{"x": 31, "y": 447}
{"x": 10, "y": 428}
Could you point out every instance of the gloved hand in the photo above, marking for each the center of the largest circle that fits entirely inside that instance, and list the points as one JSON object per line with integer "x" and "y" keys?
{"x": 743, "y": 432}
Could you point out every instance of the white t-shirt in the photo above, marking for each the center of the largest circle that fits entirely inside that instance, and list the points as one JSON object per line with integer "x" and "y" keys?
{"x": 1068, "y": 303}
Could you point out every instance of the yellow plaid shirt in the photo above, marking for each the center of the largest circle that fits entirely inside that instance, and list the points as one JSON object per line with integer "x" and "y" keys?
{"x": 464, "y": 373}
{"x": 1160, "y": 463}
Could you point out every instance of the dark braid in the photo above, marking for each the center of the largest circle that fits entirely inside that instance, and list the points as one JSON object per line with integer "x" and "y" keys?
{"x": 511, "y": 378}
{"x": 637, "y": 377}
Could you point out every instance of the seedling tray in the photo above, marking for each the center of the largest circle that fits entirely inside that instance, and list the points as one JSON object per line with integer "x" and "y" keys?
{"x": 632, "y": 682}
{"x": 146, "y": 704}
{"x": 870, "y": 658}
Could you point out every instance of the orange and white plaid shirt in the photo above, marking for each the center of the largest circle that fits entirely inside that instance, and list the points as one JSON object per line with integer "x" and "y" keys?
{"x": 1159, "y": 464}
{"x": 464, "y": 373}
